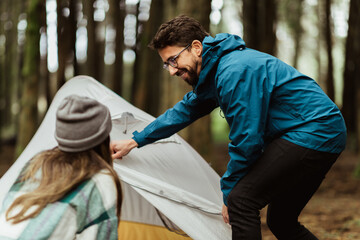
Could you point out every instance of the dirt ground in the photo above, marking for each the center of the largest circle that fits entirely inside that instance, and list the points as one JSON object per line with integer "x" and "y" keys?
{"x": 332, "y": 213}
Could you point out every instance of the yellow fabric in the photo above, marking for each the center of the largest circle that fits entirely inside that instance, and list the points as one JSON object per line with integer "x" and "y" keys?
{"x": 140, "y": 231}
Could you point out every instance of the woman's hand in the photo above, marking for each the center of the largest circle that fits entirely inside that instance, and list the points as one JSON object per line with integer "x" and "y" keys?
{"x": 121, "y": 148}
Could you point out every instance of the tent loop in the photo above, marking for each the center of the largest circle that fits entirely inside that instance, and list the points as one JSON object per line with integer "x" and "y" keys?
{"x": 128, "y": 116}
{"x": 126, "y": 122}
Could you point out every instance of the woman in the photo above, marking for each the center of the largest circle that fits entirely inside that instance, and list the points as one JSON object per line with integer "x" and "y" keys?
{"x": 70, "y": 191}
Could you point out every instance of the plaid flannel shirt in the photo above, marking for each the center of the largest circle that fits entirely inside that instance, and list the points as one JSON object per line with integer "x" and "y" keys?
{"x": 88, "y": 212}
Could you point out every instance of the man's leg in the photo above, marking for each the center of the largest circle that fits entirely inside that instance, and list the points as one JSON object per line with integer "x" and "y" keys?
{"x": 279, "y": 169}
{"x": 283, "y": 212}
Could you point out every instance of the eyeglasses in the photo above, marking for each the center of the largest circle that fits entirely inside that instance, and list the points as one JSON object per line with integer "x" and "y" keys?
{"x": 172, "y": 61}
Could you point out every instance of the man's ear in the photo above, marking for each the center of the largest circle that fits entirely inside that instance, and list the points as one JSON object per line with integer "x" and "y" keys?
{"x": 196, "y": 47}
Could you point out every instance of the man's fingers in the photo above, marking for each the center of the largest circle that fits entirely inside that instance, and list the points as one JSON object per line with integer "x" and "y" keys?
{"x": 226, "y": 218}
{"x": 225, "y": 214}
{"x": 116, "y": 155}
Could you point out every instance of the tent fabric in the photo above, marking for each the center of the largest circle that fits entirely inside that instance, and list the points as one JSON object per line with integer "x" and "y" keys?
{"x": 166, "y": 179}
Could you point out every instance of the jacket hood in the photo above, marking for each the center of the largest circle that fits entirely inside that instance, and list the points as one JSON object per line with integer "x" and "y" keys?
{"x": 213, "y": 49}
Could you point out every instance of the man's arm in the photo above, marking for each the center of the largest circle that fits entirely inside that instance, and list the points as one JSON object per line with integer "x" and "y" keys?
{"x": 173, "y": 120}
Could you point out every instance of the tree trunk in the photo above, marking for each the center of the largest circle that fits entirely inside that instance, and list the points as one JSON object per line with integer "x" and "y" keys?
{"x": 259, "y": 19}
{"x": 11, "y": 71}
{"x": 45, "y": 90}
{"x": 172, "y": 87}
{"x": 72, "y": 25}
{"x": 30, "y": 72}
{"x": 351, "y": 104}
{"x": 297, "y": 31}
{"x": 66, "y": 31}
{"x": 149, "y": 70}
{"x": 61, "y": 23}
{"x": 328, "y": 36}
{"x": 118, "y": 7}
{"x": 319, "y": 44}
{"x": 10, "y": 50}
{"x": 292, "y": 12}
{"x": 2, "y": 69}
{"x": 138, "y": 56}
{"x": 92, "y": 61}
{"x": 200, "y": 10}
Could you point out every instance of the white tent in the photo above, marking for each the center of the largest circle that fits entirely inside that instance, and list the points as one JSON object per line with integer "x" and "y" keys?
{"x": 166, "y": 185}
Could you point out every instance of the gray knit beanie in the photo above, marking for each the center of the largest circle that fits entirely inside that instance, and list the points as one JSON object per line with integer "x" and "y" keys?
{"x": 81, "y": 123}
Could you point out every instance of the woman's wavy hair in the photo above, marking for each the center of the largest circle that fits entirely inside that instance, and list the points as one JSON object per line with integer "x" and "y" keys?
{"x": 180, "y": 31}
{"x": 62, "y": 172}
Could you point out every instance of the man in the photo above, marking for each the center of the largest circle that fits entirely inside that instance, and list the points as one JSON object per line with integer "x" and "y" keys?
{"x": 285, "y": 132}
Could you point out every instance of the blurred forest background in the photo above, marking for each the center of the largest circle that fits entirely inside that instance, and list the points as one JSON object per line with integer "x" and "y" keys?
{"x": 43, "y": 43}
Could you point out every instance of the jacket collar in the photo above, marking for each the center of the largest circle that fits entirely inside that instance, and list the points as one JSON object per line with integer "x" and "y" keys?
{"x": 213, "y": 49}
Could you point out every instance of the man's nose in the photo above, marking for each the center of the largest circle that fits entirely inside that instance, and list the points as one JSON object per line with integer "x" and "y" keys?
{"x": 172, "y": 70}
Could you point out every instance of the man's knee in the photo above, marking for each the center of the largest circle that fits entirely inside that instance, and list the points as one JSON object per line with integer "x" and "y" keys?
{"x": 239, "y": 204}
{"x": 275, "y": 223}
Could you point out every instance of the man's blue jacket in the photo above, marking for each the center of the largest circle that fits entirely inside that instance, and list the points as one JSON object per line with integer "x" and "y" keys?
{"x": 262, "y": 98}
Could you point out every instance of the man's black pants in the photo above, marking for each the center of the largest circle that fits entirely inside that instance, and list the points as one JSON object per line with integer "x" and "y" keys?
{"x": 286, "y": 176}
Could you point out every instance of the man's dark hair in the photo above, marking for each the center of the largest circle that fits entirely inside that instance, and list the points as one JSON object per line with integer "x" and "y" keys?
{"x": 179, "y": 31}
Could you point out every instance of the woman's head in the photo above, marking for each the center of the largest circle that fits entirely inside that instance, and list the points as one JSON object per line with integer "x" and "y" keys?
{"x": 81, "y": 123}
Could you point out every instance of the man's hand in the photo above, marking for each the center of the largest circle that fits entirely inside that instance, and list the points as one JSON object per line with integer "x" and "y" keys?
{"x": 121, "y": 148}
{"x": 225, "y": 214}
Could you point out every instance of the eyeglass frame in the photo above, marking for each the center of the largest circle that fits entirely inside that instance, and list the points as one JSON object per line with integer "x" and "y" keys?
{"x": 173, "y": 59}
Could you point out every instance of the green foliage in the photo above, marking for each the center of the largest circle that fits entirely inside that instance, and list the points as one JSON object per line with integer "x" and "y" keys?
{"x": 357, "y": 169}
{"x": 219, "y": 127}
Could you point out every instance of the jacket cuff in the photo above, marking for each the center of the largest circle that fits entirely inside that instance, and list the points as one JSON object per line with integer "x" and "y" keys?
{"x": 139, "y": 138}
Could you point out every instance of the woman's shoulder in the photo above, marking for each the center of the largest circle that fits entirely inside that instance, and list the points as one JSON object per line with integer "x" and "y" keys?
{"x": 105, "y": 185}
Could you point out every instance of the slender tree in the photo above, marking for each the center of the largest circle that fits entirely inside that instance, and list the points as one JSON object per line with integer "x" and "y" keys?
{"x": 292, "y": 12}
{"x": 45, "y": 89}
{"x": 10, "y": 63}
{"x": 93, "y": 51}
{"x": 138, "y": 52}
{"x": 329, "y": 46}
{"x": 30, "y": 75}
{"x": 199, "y": 10}
{"x": 61, "y": 23}
{"x": 72, "y": 25}
{"x": 66, "y": 30}
{"x": 259, "y": 20}
{"x": 14, "y": 12}
{"x": 351, "y": 94}
{"x": 319, "y": 44}
{"x": 2, "y": 78}
{"x": 171, "y": 86}
{"x": 118, "y": 10}
{"x": 149, "y": 68}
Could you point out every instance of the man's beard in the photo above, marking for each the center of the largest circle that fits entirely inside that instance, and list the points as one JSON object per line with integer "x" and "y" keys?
{"x": 193, "y": 78}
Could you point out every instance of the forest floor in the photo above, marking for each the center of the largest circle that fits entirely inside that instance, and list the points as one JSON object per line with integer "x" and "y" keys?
{"x": 332, "y": 213}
